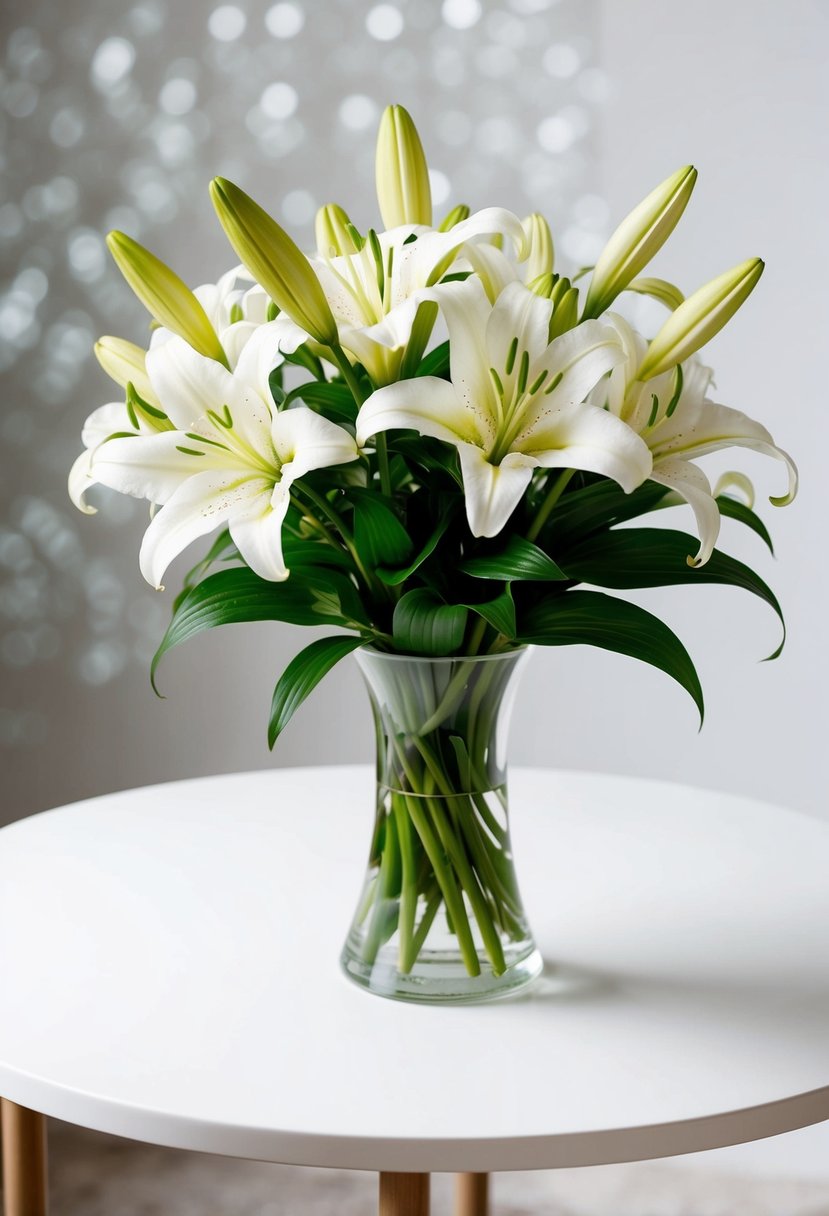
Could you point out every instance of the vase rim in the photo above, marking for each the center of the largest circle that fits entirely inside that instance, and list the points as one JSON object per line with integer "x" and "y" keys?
{"x": 515, "y": 652}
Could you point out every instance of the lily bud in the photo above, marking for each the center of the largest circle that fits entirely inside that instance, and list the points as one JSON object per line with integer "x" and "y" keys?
{"x": 125, "y": 363}
{"x": 539, "y": 241}
{"x": 638, "y": 238}
{"x": 274, "y": 260}
{"x": 456, "y": 216}
{"x": 701, "y": 316}
{"x": 168, "y": 300}
{"x": 402, "y": 176}
{"x": 334, "y": 232}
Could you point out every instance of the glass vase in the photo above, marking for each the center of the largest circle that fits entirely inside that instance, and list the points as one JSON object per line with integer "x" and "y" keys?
{"x": 440, "y": 917}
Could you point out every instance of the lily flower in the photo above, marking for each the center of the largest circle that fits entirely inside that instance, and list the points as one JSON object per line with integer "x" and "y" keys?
{"x": 138, "y": 415}
{"x": 375, "y": 292}
{"x": 514, "y": 403}
{"x": 679, "y": 423}
{"x": 230, "y": 457}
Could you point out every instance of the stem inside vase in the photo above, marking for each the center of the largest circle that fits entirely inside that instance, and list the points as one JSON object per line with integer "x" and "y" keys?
{"x": 440, "y": 917}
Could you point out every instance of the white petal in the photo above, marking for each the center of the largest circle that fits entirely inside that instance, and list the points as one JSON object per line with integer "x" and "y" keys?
{"x": 581, "y": 357}
{"x": 265, "y": 349}
{"x": 518, "y": 313}
{"x": 425, "y": 404}
{"x": 81, "y": 480}
{"x": 700, "y": 427}
{"x": 695, "y": 488}
{"x": 589, "y": 438}
{"x": 492, "y": 491}
{"x": 188, "y": 384}
{"x": 466, "y": 311}
{"x": 202, "y": 503}
{"x": 491, "y": 265}
{"x": 304, "y": 440}
{"x": 416, "y": 262}
{"x": 105, "y": 421}
{"x": 257, "y": 533}
{"x": 153, "y": 466}
{"x": 615, "y": 390}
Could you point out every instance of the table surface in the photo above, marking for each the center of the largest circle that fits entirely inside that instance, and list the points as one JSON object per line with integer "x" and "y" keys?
{"x": 169, "y": 963}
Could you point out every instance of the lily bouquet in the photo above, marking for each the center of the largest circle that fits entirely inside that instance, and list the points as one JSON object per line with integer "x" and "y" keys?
{"x": 427, "y": 436}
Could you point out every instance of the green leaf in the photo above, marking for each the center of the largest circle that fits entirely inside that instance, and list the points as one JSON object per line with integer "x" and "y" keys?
{"x": 313, "y": 553}
{"x": 436, "y": 363}
{"x": 599, "y": 505}
{"x": 499, "y": 613}
{"x": 658, "y": 557}
{"x": 735, "y": 509}
{"x": 234, "y": 596}
{"x": 331, "y": 399}
{"x": 302, "y": 675}
{"x": 519, "y": 559}
{"x": 392, "y": 578}
{"x": 590, "y": 618}
{"x": 424, "y": 625}
{"x": 379, "y": 536}
{"x": 221, "y": 545}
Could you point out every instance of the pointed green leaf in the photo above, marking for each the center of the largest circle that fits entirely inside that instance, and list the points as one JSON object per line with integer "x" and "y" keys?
{"x": 598, "y": 506}
{"x": 302, "y": 675}
{"x": 436, "y": 363}
{"x": 332, "y": 399}
{"x": 589, "y": 618}
{"x": 424, "y": 625}
{"x": 379, "y": 536}
{"x": 734, "y": 509}
{"x": 499, "y": 613}
{"x": 631, "y": 558}
{"x": 234, "y": 596}
{"x": 393, "y": 578}
{"x": 519, "y": 559}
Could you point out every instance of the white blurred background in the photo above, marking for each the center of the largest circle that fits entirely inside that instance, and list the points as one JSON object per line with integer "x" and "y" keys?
{"x": 116, "y": 114}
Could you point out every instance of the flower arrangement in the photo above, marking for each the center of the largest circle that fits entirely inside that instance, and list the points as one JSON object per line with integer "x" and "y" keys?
{"x": 427, "y": 437}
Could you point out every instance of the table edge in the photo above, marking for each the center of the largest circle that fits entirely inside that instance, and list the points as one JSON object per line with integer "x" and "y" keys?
{"x": 458, "y": 1154}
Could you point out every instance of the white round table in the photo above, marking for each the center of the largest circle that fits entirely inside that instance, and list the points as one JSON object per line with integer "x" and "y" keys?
{"x": 169, "y": 964}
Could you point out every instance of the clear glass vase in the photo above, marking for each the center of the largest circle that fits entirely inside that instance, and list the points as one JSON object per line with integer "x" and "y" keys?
{"x": 440, "y": 916}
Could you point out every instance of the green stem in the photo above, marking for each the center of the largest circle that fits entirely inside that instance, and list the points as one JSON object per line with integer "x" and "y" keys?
{"x": 460, "y": 861}
{"x": 448, "y": 884}
{"x": 408, "y": 889}
{"x": 328, "y": 511}
{"x": 347, "y": 372}
{"x": 553, "y": 495}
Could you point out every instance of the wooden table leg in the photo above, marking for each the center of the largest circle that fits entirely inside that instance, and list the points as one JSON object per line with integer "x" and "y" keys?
{"x": 472, "y": 1195}
{"x": 25, "y": 1184}
{"x": 404, "y": 1195}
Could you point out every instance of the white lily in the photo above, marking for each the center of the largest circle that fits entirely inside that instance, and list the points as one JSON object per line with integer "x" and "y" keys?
{"x": 145, "y": 416}
{"x": 231, "y": 458}
{"x": 116, "y": 418}
{"x": 375, "y": 293}
{"x": 679, "y": 423}
{"x": 515, "y": 401}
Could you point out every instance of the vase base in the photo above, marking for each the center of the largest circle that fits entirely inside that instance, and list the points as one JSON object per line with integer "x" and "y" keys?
{"x": 440, "y": 978}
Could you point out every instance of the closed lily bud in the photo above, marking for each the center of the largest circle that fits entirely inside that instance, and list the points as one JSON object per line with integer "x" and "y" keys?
{"x": 539, "y": 241}
{"x": 125, "y": 363}
{"x": 168, "y": 300}
{"x": 334, "y": 232}
{"x": 701, "y": 316}
{"x": 456, "y": 216}
{"x": 638, "y": 238}
{"x": 274, "y": 260}
{"x": 403, "y": 189}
